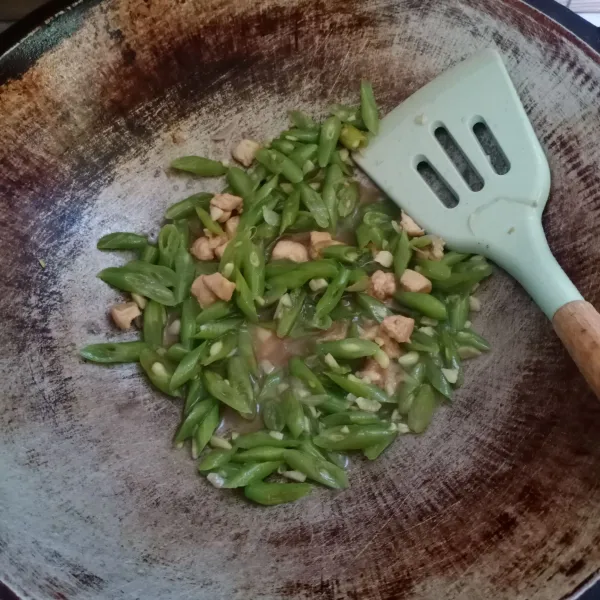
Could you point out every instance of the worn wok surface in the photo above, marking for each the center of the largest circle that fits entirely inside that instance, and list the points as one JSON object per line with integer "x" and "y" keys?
{"x": 500, "y": 499}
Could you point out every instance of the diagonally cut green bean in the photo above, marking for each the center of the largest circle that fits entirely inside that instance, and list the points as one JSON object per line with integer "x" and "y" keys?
{"x": 271, "y": 494}
{"x": 112, "y": 353}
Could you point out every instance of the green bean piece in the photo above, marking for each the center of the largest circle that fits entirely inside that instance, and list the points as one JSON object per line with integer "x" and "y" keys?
{"x": 187, "y": 207}
{"x": 304, "y": 222}
{"x": 258, "y": 173}
{"x": 348, "y": 196}
{"x": 302, "y": 273}
{"x": 262, "y": 438}
{"x": 424, "y": 303}
{"x": 453, "y": 258}
{"x": 240, "y": 182}
{"x": 421, "y": 342}
{"x": 208, "y": 222}
{"x": 189, "y": 311}
{"x": 270, "y": 384}
{"x": 251, "y": 472}
{"x": 265, "y": 191}
{"x": 467, "y": 337}
{"x": 260, "y": 454}
{"x": 375, "y": 451}
{"x": 192, "y": 420}
{"x": 304, "y": 153}
{"x": 279, "y": 164}
{"x": 271, "y": 494}
{"x": 215, "y": 329}
{"x": 206, "y": 267}
{"x": 303, "y": 135}
{"x": 333, "y": 178}
{"x": 422, "y": 409}
{"x": 228, "y": 470}
{"x": 422, "y": 241}
{"x": 273, "y": 414}
{"x": 162, "y": 275}
{"x": 345, "y": 254}
{"x": 244, "y": 298}
{"x": 348, "y": 114}
{"x": 373, "y": 308}
{"x": 433, "y": 269}
{"x": 226, "y": 393}
{"x": 265, "y": 234}
{"x": 328, "y": 139}
{"x": 402, "y": 254}
{"x": 315, "y": 205}
{"x": 363, "y": 235}
{"x": 348, "y": 349}
{"x": 358, "y": 387}
{"x": 450, "y": 355}
{"x": 359, "y": 282}
{"x": 458, "y": 311}
{"x": 354, "y": 417}
{"x": 219, "y": 349}
{"x": 463, "y": 282}
{"x": 334, "y": 404}
{"x": 206, "y": 429}
{"x": 301, "y": 120}
{"x": 185, "y": 269}
{"x": 149, "y": 254}
{"x": 352, "y": 138}
{"x": 289, "y": 314}
{"x": 183, "y": 226}
{"x": 158, "y": 370}
{"x": 138, "y": 283}
{"x": 291, "y": 206}
{"x": 436, "y": 378}
{"x": 336, "y": 159}
{"x": 293, "y": 413}
{"x": 218, "y": 310}
{"x": 246, "y": 350}
{"x": 188, "y": 367}
{"x": 354, "y": 437}
{"x": 317, "y": 469}
{"x": 215, "y": 459}
{"x": 113, "y": 353}
{"x": 368, "y": 107}
{"x": 284, "y": 146}
{"x": 239, "y": 377}
{"x": 254, "y": 269}
{"x": 198, "y": 165}
{"x": 333, "y": 294}
{"x": 176, "y": 353}
{"x": 169, "y": 241}
{"x": 122, "y": 241}
{"x": 196, "y": 392}
{"x": 299, "y": 369}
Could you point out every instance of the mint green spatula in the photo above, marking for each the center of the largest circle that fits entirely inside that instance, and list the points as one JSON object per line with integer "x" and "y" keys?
{"x": 461, "y": 157}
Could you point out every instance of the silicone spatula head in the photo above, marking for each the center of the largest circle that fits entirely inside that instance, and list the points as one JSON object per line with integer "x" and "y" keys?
{"x": 461, "y": 157}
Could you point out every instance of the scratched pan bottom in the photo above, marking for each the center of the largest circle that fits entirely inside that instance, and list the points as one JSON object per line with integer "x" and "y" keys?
{"x": 500, "y": 499}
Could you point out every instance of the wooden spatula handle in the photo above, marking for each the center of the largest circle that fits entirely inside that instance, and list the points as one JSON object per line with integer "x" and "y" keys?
{"x": 578, "y": 326}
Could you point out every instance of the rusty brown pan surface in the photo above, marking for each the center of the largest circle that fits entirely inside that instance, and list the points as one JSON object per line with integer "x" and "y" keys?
{"x": 500, "y": 499}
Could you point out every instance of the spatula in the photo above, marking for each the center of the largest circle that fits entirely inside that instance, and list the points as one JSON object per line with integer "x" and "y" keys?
{"x": 461, "y": 157}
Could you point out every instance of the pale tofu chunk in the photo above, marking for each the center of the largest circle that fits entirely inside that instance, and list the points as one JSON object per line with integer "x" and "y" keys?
{"x": 435, "y": 251}
{"x": 409, "y": 225}
{"x": 320, "y": 240}
{"x": 124, "y": 314}
{"x": 382, "y": 285}
{"x": 245, "y": 152}
{"x": 219, "y": 215}
{"x": 226, "y": 202}
{"x": 202, "y": 292}
{"x": 399, "y": 328}
{"x": 387, "y": 344}
{"x": 286, "y": 249}
{"x": 202, "y": 249}
{"x": 231, "y": 226}
{"x": 411, "y": 281}
{"x": 220, "y": 286}
{"x": 372, "y": 372}
{"x": 220, "y": 250}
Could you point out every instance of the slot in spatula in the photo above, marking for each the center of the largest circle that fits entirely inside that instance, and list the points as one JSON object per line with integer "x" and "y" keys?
{"x": 461, "y": 157}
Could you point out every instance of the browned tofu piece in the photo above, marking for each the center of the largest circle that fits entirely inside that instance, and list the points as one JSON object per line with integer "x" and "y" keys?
{"x": 220, "y": 286}
{"x": 409, "y": 225}
{"x": 382, "y": 285}
{"x": 245, "y": 152}
{"x": 123, "y": 314}
{"x": 411, "y": 281}
{"x": 286, "y": 249}
{"x": 320, "y": 240}
{"x": 202, "y": 292}
{"x": 399, "y": 328}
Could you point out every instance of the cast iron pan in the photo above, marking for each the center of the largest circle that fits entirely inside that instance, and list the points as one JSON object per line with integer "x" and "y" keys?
{"x": 500, "y": 499}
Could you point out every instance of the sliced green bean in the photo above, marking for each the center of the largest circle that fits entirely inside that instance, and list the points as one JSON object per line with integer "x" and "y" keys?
{"x": 436, "y": 378}
{"x": 352, "y": 138}
{"x": 354, "y": 437}
{"x": 260, "y": 454}
{"x": 206, "y": 267}
{"x": 284, "y": 146}
{"x": 137, "y": 283}
{"x": 368, "y": 107}
{"x": 458, "y": 311}
{"x": 113, "y": 353}
{"x": 333, "y": 294}
{"x": 355, "y": 417}
{"x": 192, "y": 420}
{"x": 359, "y": 388}
{"x": 273, "y": 414}
{"x": 226, "y": 393}
{"x": 198, "y": 165}
{"x": 304, "y": 153}
{"x": 244, "y": 298}
{"x": 375, "y": 451}
{"x": 158, "y": 370}
{"x": 188, "y": 367}
{"x": 468, "y": 337}
{"x": 218, "y": 310}
{"x": 453, "y": 258}
{"x": 348, "y": 349}
{"x": 373, "y": 308}
{"x": 291, "y": 206}
{"x": 254, "y": 269}
{"x": 240, "y": 182}
{"x": 262, "y": 438}
{"x": 189, "y": 311}
{"x": 328, "y": 139}
{"x": 169, "y": 242}
{"x": 316, "y": 469}
{"x": 301, "y": 135}
{"x": 219, "y": 349}
{"x": 215, "y": 329}
{"x": 208, "y": 222}
{"x": 433, "y": 269}
{"x": 348, "y": 114}
{"x": 122, "y": 241}
{"x": 279, "y": 164}
{"x": 424, "y": 303}
{"x": 421, "y": 342}
{"x": 271, "y": 494}
{"x": 187, "y": 207}
{"x": 149, "y": 254}
{"x": 299, "y": 369}
{"x": 215, "y": 459}
{"x": 422, "y": 409}
{"x": 303, "y": 273}
{"x": 185, "y": 269}
{"x": 315, "y": 205}
{"x": 176, "y": 353}
{"x": 301, "y": 120}
{"x": 402, "y": 254}
{"x": 239, "y": 377}
{"x": 293, "y": 414}
{"x": 289, "y": 314}
{"x": 348, "y": 196}
{"x": 246, "y": 350}
{"x": 160, "y": 274}
{"x": 196, "y": 392}
{"x": 206, "y": 429}
{"x": 345, "y": 254}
